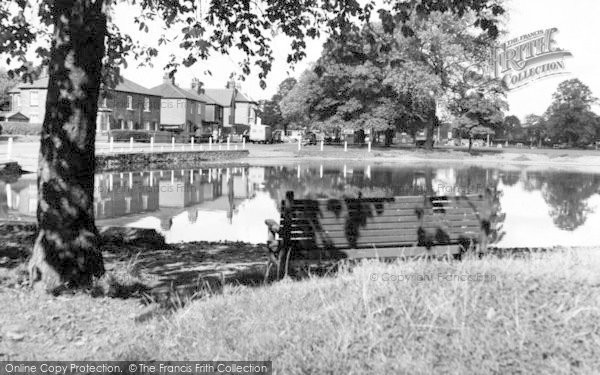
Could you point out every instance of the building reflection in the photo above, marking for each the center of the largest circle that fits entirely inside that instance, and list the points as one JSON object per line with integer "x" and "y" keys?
{"x": 184, "y": 196}
{"x": 123, "y": 197}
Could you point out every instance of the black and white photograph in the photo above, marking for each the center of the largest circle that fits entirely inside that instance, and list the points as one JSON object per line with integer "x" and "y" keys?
{"x": 299, "y": 187}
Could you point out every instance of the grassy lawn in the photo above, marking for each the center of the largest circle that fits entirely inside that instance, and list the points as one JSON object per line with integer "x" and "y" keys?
{"x": 538, "y": 313}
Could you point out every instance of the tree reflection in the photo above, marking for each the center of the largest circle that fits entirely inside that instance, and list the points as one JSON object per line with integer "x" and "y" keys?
{"x": 567, "y": 195}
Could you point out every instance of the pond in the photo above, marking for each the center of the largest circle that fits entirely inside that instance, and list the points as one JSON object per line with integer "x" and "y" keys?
{"x": 538, "y": 208}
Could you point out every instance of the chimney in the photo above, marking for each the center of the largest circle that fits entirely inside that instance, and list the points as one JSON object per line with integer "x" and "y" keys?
{"x": 167, "y": 79}
{"x": 231, "y": 83}
{"x": 197, "y": 86}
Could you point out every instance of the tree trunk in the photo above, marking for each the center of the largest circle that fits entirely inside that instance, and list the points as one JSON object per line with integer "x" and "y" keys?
{"x": 429, "y": 134}
{"x": 66, "y": 250}
{"x": 470, "y": 142}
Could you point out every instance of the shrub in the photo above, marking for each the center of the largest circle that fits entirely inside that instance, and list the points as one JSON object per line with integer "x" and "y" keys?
{"x": 126, "y": 135}
{"x": 20, "y": 128}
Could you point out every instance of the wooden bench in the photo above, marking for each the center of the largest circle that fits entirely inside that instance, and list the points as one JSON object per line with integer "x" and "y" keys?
{"x": 312, "y": 231}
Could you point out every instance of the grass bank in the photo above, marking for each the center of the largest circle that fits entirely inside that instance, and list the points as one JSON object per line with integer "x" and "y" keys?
{"x": 538, "y": 314}
{"x": 528, "y": 314}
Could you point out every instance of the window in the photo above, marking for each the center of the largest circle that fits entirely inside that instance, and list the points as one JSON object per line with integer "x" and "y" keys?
{"x": 122, "y": 124}
{"x": 104, "y": 102}
{"x": 16, "y": 101}
{"x": 129, "y": 102}
{"x": 199, "y": 109}
{"x": 147, "y": 125}
{"x": 130, "y": 124}
{"x": 33, "y": 98}
{"x": 154, "y": 125}
{"x": 146, "y": 104}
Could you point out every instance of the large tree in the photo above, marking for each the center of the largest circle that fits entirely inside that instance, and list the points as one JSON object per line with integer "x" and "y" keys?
{"x": 479, "y": 112}
{"x": 83, "y": 49}
{"x": 384, "y": 77}
{"x": 570, "y": 118}
{"x": 270, "y": 110}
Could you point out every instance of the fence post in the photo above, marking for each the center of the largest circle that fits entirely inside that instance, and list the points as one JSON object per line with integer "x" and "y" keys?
{"x": 151, "y": 144}
{"x": 345, "y": 146}
{"x": 210, "y": 143}
{"x": 173, "y": 143}
{"x": 243, "y": 143}
{"x": 9, "y": 149}
{"x": 299, "y": 144}
{"x": 112, "y": 141}
{"x": 228, "y": 138}
{"x": 192, "y": 141}
{"x": 369, "y": 146}
{"x": 130, "y": 143}
{"x": 322, "y": 144}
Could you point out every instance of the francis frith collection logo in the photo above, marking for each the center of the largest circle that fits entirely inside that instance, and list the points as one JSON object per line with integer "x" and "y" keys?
{"x": 528, "y": 58}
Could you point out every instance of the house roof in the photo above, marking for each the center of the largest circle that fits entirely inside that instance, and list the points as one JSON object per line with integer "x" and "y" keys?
{"x": 13, "y": 114}
{"x": 243, "y": 98}
{"x": 220, "y": 96}
{"x": 124, "y": 86}
{"x": 169, "y": 90}
{"x": 130, "y": 86}
{"x": 205, "y": 98}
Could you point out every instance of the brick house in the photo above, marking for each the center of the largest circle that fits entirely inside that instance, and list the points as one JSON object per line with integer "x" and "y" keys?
{"x": 245, "y": 112}
{"x": 181, "y": 110}
{"x": 212, "y": 113}
{"x": 127, "y": 106}
{"x": 213, "y": 117}
{"x": 239, "y": 111}
{"x": 224, "y": 98}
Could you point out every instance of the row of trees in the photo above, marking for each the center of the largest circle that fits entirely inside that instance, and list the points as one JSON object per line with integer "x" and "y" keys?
{"x": 380, "y": 77}
{"x": 569, "y": 119}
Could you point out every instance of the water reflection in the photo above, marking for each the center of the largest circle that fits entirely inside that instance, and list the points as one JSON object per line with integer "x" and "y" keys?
{"x": 528, "y": 208}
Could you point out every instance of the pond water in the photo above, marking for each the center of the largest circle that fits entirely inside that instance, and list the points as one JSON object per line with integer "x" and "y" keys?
{"x": 540, "y": 208}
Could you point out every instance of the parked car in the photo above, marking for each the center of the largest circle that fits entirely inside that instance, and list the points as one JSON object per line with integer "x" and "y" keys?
{"x": 202, "y": 137}
{"x": 277, "y": 136}
{"x": 309, "y": 139}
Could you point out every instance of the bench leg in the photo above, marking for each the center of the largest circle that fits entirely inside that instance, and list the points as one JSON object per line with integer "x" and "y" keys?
{"x": 283, "y": 262}
{"x": 268, "y": 271}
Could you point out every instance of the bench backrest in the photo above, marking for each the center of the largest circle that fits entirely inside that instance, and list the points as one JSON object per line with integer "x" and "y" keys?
{"x": 382, "y": 222}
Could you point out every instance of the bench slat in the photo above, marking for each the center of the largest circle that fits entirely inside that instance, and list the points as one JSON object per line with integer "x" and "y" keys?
{"x": 386, "y": 213}
{"x": 386, "y": 206}
{"x": 385, "y": 220}
{"x": 388, "y": 252}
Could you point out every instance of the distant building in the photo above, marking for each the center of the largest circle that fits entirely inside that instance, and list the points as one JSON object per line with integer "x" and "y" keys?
{"x": 245, "y": 112}
{"x": 239, "y": 110}
{"x": 225, "y": 98}
{"x": 181, "y": 110}
{"x": 212, "y": 119}
{"x": 127, "y": 106}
